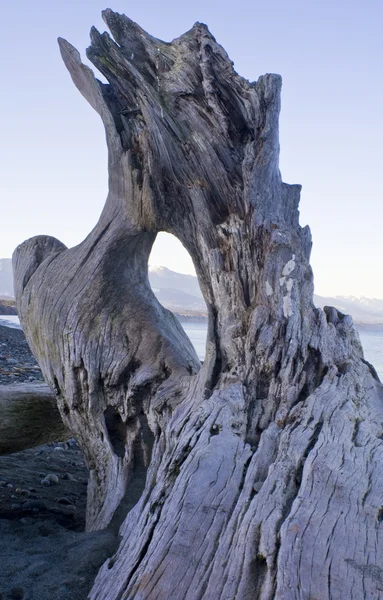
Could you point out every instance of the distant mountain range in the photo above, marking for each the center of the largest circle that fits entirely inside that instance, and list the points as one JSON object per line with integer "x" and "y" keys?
{"x": 364, "y": 311}
{"x": 181, "y": 294}
{"x": 176, "y": 291}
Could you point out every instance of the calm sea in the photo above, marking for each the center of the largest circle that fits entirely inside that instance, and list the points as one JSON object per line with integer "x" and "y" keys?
{"x": 372, "y": 341}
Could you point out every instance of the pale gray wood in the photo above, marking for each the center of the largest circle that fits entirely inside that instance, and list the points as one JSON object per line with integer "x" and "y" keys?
{"x": 29, "y": 417}
{"x": 261, "y": 471}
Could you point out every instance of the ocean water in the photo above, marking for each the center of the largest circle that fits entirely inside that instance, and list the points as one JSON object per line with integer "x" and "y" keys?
{"x": 10, "y": 321}
{"x": 197, "y": 332}
{"x": 372, "y": 341}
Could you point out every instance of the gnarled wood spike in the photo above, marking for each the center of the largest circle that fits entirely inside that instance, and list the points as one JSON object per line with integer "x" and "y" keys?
{"x": 265, "y": 460}
{"x": 202, "y": 146}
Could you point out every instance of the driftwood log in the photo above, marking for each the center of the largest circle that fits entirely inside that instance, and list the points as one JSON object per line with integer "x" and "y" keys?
{"x": 261, "y": 472}
{"x": 29, "y": 417}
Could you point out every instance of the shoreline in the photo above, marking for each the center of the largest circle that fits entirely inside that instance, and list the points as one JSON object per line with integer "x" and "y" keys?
{"x": 190, "y": 316}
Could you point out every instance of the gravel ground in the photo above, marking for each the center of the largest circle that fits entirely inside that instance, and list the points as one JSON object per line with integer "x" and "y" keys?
{"x": 45, "y": 483}
{"x": 17, "y": 363}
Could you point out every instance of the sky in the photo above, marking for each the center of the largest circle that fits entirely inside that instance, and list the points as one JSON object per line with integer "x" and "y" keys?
{"x": 53, "y": 163}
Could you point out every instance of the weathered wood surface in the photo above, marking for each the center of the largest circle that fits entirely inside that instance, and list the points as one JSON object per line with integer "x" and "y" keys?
{"x": 29, "y": 417}
{"x": 263, "y": 467}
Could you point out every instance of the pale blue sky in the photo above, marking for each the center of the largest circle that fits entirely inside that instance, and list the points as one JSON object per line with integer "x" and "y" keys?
{"x": 53, "y": 175}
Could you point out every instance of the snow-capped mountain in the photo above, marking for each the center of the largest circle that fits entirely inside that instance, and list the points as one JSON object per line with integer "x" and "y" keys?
{"x": 363, "y": 310}
{"x": 163, "y": 278}
{"x": 176, "y": 291}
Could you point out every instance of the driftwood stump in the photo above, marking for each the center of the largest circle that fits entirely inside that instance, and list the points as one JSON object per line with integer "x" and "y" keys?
{"x": 261, "y": 472}
{"x": 29, "y": 417}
